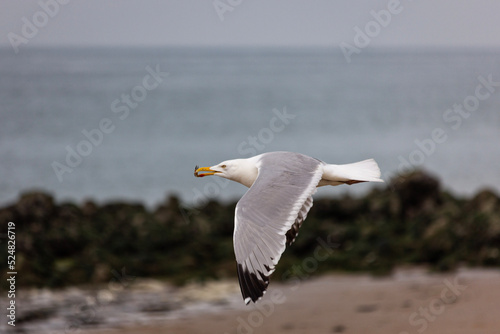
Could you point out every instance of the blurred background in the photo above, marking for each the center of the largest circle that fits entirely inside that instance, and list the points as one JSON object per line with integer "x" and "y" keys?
{"x": 106, "y": 107}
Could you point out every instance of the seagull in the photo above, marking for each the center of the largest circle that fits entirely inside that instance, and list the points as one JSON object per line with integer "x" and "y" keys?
{"x": 269, "y": 215}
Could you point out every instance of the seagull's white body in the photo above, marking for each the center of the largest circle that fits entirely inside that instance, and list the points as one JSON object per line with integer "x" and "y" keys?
{"x": 269, "y": 215}
{"x": 245, "y": 171}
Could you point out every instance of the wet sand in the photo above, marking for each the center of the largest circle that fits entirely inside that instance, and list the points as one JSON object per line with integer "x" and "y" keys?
{"x": 409, "y": 301}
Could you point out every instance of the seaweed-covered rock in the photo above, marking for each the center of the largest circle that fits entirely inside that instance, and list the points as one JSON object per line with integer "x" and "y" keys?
{"x": 486, "y": 201}
{"x": 36, "y": 205}
{"x": 410, "y": 222}
{"x": 418, "y": 192}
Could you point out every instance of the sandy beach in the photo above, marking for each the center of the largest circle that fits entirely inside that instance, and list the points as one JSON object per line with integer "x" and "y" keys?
{"x": 409, "y": 301}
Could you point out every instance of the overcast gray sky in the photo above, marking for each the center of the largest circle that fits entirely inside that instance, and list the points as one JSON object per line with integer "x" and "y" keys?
{"x": 250, "y": 22}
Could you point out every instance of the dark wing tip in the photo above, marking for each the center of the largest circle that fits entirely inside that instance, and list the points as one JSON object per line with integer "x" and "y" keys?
{"x": 252, "y": 287}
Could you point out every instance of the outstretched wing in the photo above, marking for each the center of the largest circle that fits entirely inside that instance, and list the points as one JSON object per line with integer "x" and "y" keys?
{"x": 268, "y": 216}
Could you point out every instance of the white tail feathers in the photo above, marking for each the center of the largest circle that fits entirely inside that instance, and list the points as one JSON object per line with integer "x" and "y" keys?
{"x": 362, "y": 171}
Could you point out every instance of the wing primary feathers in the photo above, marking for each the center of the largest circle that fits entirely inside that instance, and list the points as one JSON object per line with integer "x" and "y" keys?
{"x": 243, "y": 285}
{"x": 252, "y": 287}
{"x": 258, "y": 286}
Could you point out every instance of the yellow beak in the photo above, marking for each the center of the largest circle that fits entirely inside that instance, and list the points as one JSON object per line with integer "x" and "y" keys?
{"x": 203, "y": 169}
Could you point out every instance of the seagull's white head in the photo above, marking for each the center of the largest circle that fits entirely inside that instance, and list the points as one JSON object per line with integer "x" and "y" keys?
{"x": 243, "y": 171}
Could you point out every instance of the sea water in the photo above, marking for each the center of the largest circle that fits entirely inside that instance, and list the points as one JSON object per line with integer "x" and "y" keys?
{"x": 131, "y": 124}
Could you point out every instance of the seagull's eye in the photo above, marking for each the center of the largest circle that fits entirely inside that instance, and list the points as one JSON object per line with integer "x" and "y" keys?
{"x": 223, "y": 166}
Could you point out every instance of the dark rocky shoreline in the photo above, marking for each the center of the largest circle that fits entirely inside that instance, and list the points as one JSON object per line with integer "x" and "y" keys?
{"x": 411, "y": 221}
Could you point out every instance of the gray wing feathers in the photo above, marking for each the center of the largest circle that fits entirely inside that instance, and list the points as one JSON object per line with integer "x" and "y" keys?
{"x": 269, "y": 215}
